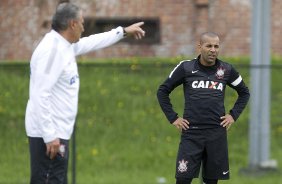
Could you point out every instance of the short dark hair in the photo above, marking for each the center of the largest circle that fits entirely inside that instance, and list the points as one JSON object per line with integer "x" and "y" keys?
{"x": 64, "y": 13}
{"x": 209, "y": 34}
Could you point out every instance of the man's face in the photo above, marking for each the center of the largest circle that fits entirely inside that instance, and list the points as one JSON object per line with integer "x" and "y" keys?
{"x": 78, "y": 27}
{"x": 209, "y": 49}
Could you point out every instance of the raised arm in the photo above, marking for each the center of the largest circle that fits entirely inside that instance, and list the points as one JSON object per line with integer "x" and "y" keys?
{"x": 102, "y": 40}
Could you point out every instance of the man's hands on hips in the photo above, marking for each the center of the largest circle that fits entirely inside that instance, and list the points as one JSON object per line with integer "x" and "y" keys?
{"x": 135, "y": 30}
{"x": 227, "y": 121}
{"x": 52, "y": 148}
{"x": 181, "y": 124}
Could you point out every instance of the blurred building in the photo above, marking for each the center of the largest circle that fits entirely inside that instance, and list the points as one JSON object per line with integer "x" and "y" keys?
{"x": 172, "y": 26}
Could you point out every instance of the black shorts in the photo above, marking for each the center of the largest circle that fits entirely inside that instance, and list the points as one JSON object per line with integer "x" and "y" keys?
{"x": 206, "y": 146}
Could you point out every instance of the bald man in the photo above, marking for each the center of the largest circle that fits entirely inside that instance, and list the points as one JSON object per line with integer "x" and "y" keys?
{"x": 204, "y": 122}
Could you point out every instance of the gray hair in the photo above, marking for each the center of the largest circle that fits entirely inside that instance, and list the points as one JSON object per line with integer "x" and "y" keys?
{"x": 64, "y": 13}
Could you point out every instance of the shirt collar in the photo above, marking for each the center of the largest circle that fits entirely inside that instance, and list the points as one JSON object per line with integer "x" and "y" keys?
{"x": 59, "y": 36}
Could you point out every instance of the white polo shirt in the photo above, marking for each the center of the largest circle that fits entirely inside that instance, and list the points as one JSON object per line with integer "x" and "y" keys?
{"x": 54, "y": 83}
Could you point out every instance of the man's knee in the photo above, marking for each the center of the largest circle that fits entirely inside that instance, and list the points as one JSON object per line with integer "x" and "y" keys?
{"x": 209, "y": 181}
{"x": 183, "y": 180}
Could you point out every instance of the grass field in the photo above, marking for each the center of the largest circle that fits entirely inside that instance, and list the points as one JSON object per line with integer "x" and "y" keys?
{"x": 121, "y": 134}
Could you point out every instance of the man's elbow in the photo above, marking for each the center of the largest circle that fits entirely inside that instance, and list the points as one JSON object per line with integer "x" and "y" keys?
{"x": 159, "y": 93}
{"x": 248, "y": 94}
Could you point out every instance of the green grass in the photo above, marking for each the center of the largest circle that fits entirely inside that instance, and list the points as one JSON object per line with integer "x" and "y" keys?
{"x": 121, "y": 134}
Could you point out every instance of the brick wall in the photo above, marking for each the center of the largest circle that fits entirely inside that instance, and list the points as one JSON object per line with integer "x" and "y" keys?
{"x": 24, "y": 22}
{"x": 22, "y": 26}
{"x": 276, "y": 27}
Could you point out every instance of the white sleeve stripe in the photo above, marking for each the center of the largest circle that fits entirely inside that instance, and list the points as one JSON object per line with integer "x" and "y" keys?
{"x": 175, "y": 69}
{"x": 51, "y": 57}
{"x": 237, "y": 81}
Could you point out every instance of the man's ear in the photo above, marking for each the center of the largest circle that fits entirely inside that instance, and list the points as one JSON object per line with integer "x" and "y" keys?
{"x": 72, "y": 24}
{"x": 199, "y": 46}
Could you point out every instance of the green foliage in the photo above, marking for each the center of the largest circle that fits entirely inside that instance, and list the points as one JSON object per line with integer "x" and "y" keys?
{"x": 121, "y": 134}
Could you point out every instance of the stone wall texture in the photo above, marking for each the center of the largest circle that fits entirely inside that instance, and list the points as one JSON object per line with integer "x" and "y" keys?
{"x": 24, "y": 22}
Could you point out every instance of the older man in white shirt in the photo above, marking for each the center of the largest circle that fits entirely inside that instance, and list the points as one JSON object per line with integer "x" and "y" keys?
{"x": 54, "y": 87}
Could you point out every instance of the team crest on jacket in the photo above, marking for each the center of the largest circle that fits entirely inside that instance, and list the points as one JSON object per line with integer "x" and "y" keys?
{"x": 220, "y": 73}
{"x": 182, "y": 166}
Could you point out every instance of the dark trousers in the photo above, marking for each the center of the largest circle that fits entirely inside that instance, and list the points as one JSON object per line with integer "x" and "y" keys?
{"x": 43, "y": 169}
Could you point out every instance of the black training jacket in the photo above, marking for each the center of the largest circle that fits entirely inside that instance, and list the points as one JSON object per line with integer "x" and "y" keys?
{"x": 204, "y": 89}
